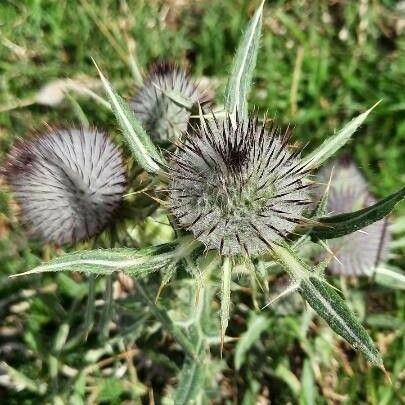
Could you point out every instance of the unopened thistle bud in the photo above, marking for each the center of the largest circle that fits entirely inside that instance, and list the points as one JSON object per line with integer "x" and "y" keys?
{"x": 68, "y": 183}
{"x": 159, "y": 102}
{"x": 357, "y": 253}
{"x": 237, "y": 186}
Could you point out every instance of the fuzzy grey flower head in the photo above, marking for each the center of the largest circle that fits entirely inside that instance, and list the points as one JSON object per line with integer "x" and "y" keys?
{"x": 159, "y": 102}
{"x": 360, "y": 252}
{"x": 238, "y": 187}
{"x": 68, "y": 183}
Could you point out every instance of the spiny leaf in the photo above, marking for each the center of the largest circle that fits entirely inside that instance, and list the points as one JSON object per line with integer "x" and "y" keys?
{"x": 328, "y": 304}
{"x": 332, "y": 308}
{"x": 142, "y": 148}
{"x": 343, "y": 224}
{"x": 244, "y": 63}
{"x": 331, "y": 145}
{"x": 134, "y": 262}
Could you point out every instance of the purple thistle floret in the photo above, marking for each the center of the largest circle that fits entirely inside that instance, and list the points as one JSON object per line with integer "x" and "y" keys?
{"x": 238, "y": 187}
{"x": 68, "y": 183}
{"x": 162, "y": 117}
{"x": 360, "y": 252}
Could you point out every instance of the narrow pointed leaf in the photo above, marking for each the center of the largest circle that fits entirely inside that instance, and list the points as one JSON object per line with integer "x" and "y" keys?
{"x": 225, "y": 296}
{"x": 256, "y": 326}
{"x": 243, "y": 66}
{"x": 328, "y": 304}
{"x": 191, "y": 382}
{"x": 140, "y": 144}
{"x": 332, "y": 308}
{"x": 162, "y": 316}
{"x": 108, "y": 309}
{"x": 331, "y": 145}
{"x": 90, "y": 307}
{"x": 390, "y": 276}
{"x": 308, "y": 385}
{"x": 134, "y": 262}
{"x": 343, "y": 224}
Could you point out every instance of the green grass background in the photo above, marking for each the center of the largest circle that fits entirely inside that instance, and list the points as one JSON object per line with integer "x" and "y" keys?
{"x": 320, "y": 64}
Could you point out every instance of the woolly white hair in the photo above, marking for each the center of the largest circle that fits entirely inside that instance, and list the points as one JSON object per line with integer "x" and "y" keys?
{"x": 237, "y": 187}
{"x": 360, "y": 252}
{"x": 68, "y": 183}
{"x": 162, "y": 117}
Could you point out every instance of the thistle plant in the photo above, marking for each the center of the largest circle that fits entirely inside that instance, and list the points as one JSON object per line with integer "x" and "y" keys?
{"x": 69, "y": 183}
{"x": 237, "y": 187}
{"x": 162, "y": 102}
{"x": 238, "y": 198}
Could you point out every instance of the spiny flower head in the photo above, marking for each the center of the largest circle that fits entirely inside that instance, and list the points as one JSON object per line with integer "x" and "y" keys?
{"x": 361, "y": 251}
{"x": 162, "y": 117}
{"x": 68, "y": 183}
{"x": 237, "y": 186}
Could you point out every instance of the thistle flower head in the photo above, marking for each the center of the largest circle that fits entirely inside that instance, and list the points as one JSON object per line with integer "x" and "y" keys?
{"x": 68, "y": 183}
{"x": 358, "y": 252}
{"x": 237, "y": 186}
{"x": 156, "y": 104}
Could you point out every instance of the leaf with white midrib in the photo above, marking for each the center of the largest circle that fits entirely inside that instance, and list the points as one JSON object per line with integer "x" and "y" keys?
{"x": 331, "y": 145}
{"x": 327, "y": 303}
{"x": 135, "y": 262}
{"x": 243, "y": 66}
{"x": 142, "y": 147}
{"x": 331, "y": 307}
{"x": 346, "y": 223}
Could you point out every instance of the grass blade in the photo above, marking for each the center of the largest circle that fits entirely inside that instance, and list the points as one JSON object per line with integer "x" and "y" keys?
{"x": 243, "y": 66}
{"x": 390, "y": 276}
{"x": 331, "y": 145}
{"x": 343, "y": 224}
{"x": 257, "y": 324}
{"x": 140, "y": 144}
{"x": 108, "y": 310}
{"x": 90, "y": 307}
{"x": 225, "y": 297}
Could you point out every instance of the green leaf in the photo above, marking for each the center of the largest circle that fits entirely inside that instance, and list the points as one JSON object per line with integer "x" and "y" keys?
{"x": 21, "y": 381}
{"x": 331, "y": 145}
{"x": 308, "y": 386}
{"x": 110, "y": 390}
{"x": 343, "y": 224}
{"x": 332, "y": 308}
{"x": 283, "y": 372}
{"x": 164, "y": 319}
{"x": 140, "y": 144}
{"x": 90, "y": 307}
{"x": 134, "y": 262}
{"x": 390, "y": 276}
{"x": 328, "y": 304}
{"x": 256, "y": 326}
{"x": 108, "y": 310}
{"x": 191, "y": 382}
{"x": 243, "y": 66}
{"x": 225, "y": 297}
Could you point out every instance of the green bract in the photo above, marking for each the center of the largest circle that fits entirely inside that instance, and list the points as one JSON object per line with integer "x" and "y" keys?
{"x": 234, "y": 191}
